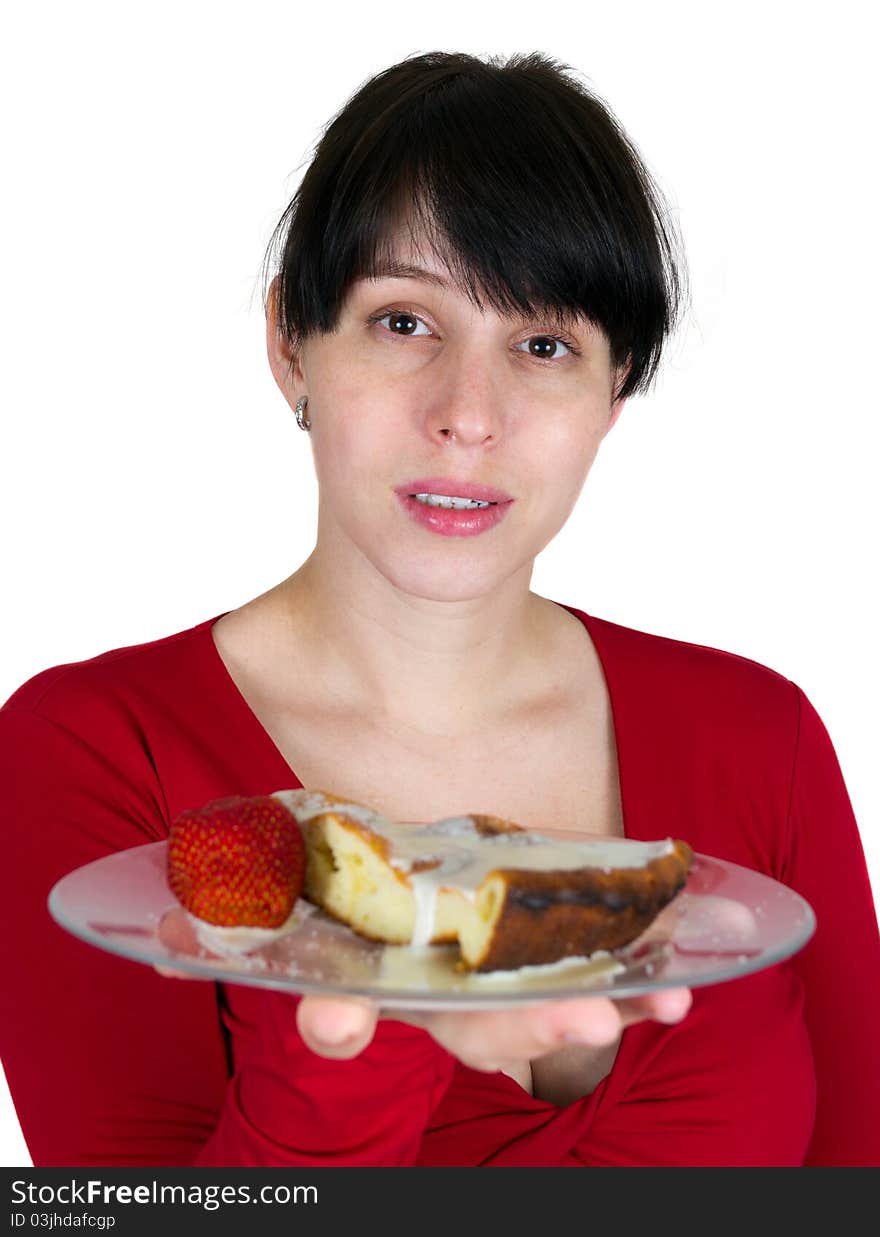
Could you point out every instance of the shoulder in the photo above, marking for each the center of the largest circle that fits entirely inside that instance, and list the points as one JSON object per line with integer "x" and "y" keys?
{"x": 715, "y": 689}
{"x": 97, "y": 738}
{"x": 90, "y": 693}
{"x": 668, "y": 657}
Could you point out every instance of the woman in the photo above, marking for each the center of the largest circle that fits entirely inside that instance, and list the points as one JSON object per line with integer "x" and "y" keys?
{"x": 474, "y": 277}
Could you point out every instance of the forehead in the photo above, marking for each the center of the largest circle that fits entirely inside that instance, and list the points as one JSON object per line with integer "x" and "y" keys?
{"x": 408, "y": 252}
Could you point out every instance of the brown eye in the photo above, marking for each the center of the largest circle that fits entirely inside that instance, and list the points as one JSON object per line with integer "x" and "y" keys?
{"x": 402, "y": 324}
{"x": 544, "y": 346}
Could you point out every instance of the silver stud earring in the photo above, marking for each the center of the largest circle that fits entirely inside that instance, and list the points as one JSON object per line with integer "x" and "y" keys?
{"x": 301, "y": 419}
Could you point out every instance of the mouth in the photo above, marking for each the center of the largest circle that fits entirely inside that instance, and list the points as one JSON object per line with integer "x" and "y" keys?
{"x": 453, "y": 508}
{"x": 450, "y": 491}
{"x": 450, "y": 502}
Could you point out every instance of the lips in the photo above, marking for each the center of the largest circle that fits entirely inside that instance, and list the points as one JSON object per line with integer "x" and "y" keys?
{"x": 454, "y": 489}
{"x": 451, "y": 522}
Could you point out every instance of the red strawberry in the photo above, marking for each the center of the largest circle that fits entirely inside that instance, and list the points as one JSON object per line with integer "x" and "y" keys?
{"x": 237, "y": 862}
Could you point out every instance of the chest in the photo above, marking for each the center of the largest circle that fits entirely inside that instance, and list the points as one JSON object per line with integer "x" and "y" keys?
{"x": 555, "y": 769}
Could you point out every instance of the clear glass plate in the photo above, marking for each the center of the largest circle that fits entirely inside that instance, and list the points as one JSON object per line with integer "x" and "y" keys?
{"x": 728, "y": 921}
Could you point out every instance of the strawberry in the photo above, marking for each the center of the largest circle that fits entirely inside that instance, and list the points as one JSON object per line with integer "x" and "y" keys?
{"x": 237, "y": 861}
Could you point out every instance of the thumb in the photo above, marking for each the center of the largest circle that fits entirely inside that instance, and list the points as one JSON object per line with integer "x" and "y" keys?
{"x": 336, "y": 1027}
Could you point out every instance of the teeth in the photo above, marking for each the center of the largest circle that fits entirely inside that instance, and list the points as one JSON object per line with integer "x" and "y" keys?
{"x": 446, "y": 500}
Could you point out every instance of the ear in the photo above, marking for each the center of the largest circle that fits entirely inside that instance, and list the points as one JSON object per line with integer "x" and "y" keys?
{"x": 285, "y": 356}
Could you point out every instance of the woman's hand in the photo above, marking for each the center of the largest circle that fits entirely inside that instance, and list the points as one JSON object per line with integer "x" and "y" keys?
{"x": 342, "y": 1027}
{"x": 488, "y": 1039}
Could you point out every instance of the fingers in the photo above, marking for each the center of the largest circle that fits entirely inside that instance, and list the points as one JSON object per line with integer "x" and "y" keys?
{"x": 336, "y": 1028}
{"x": 667, "y": 1005}
{"x": 177, "y": 932}
{"x": 490, "y": 1040}
{"x": 178, "y": 935}
{"x": 487, "y": 1040}
{"x": 169, "y": 973}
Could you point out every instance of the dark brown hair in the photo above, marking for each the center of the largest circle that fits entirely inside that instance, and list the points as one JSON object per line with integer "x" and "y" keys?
{"x": 519, "y": 177}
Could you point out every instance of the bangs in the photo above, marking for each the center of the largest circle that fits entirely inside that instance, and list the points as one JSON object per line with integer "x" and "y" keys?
{"x": 518, "y": 180}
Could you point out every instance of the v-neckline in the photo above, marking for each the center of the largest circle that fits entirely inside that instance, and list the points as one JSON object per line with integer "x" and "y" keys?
{"x": 289, "y": 779}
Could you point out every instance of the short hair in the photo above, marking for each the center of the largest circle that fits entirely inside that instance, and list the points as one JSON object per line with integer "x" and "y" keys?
{"x": 522, "y": 180}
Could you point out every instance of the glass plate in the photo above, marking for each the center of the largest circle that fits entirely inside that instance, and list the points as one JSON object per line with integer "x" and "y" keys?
{"x": 728, "y": 921}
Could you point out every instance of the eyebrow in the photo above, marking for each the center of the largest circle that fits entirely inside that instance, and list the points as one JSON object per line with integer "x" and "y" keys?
{"x": 390, "y": 269}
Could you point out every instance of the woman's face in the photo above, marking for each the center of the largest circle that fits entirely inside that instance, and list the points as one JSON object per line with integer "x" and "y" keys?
{"x": 417, "y": 385}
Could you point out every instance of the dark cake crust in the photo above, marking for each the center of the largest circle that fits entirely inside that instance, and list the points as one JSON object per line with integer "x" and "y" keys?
{"x": 548, "y": 916}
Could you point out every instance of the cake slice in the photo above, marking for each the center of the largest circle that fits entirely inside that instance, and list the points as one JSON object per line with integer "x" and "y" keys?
{"x": 510, "y": 897}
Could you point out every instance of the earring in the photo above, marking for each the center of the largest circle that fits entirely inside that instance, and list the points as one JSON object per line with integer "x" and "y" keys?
{"x": 301, "y": 419}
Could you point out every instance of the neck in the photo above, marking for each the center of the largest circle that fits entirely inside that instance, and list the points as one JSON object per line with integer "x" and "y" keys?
{"x": 440, "y": 668}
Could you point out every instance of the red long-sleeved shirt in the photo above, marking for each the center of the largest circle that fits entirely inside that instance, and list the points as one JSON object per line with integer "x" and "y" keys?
{"x": 110, "y": 1064}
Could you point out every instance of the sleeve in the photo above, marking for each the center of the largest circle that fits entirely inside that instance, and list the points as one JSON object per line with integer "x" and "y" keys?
{"x": 111, "y": 1064}
{"x": 840, "y": 965}
{"x": 290, "y": 1107}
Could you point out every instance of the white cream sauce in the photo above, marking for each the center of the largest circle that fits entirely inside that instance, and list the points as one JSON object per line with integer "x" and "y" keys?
{"x": 434, "y": 969}
{"x": 462, "y": 857}
{"x": 242, "y": 939}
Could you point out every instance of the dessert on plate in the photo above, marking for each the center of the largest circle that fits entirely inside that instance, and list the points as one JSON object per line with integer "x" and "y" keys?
{"x": 508, "y": 897}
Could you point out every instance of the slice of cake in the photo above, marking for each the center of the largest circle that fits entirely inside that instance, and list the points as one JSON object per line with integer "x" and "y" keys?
{"x": 510, "y": 897}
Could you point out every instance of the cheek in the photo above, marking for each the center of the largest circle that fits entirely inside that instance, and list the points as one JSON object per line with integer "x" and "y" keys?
{"x": 353, "y": 450}
{"x": 347, "y": 421}
{"x": 567, "y": 453}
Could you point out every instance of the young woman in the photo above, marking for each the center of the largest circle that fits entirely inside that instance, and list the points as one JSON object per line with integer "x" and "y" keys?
{"x": 474, "y": 276}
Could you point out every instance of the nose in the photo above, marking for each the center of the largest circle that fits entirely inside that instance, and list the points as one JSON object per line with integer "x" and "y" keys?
{"x": 465, "y": 403}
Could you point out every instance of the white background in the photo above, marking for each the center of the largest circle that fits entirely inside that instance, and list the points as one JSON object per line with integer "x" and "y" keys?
{"x": 152, "y": 475}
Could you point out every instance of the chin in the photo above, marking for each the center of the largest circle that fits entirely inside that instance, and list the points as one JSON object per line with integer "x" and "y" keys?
{"x": 446, "y": 569}
{"x": 433, "y": 581}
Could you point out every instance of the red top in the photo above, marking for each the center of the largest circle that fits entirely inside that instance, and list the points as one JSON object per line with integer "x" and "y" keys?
{"x": 110, "y": 1064}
